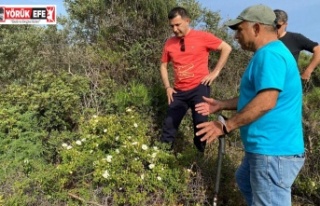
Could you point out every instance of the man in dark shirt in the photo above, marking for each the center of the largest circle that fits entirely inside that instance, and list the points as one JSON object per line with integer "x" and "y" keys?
{"x": 296, "y": 43}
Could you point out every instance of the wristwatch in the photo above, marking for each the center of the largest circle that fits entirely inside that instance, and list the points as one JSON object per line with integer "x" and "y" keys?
{"x": 223, "y": 119}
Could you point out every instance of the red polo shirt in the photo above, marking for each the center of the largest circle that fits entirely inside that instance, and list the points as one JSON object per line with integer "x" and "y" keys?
{"x": 190, "y": 66}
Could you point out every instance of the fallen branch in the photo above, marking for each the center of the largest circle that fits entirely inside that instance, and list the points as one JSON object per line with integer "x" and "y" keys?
{"x": 83, "y": 200}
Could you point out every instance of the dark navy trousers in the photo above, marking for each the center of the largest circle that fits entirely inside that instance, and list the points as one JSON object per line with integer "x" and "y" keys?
{"x": 182, "y": 101}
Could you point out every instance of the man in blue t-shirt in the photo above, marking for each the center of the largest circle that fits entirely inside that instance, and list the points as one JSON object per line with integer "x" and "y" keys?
{"x": 269, "y": 112}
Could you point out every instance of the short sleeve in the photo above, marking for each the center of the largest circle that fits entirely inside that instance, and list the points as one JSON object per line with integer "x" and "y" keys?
{"x": 270, "y": 72}
{"x": 305, "y": 43}
{"x": 212, "y": 42}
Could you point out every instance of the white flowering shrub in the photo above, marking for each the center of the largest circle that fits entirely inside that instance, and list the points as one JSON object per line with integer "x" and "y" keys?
{"x": 115, "y": 154}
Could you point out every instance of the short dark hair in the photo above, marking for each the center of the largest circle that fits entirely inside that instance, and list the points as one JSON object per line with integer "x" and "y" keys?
{"x": 176, "y": 11}
{"x": 281, "y": 15}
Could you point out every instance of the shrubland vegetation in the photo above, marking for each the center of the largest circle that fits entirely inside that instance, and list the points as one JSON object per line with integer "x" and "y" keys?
{"x": 82, "y": 104}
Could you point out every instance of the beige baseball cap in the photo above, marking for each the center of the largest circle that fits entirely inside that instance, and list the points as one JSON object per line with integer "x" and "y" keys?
{"x": 257, "y": 13}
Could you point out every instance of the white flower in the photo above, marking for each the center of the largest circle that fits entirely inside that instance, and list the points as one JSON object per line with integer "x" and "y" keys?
{"x": 129, "y": 137}
{"x": 134, "y": 143}
{"x": 135, "y": 125}
{"x": 94, "y": 116}
{"x": 142, "y": 176}
{"x": 105, "y": 130}
{"x": 69, "y": 147}
{"x": 109, "y": 158}
{"x": 159, "y": 178}
{"x": 129, "y": 110}
{"x": 155, "y": 148}
{"x": 154, "y": 155}
{"x": 117, "y": 138}
{"x": 106, "y": 174}
{"x": 78, "y": 142}
{"x": 117, "y": 151}
{"x": 144, "y": 147}
{"x": 64, "y": 145}
{"x": 151, "y": 166}
{"x": 83, "y": 140}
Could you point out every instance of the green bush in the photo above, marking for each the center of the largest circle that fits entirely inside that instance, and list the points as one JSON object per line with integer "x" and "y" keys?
{"x": 115, "y": 154}
{"x": 34, "y": 118}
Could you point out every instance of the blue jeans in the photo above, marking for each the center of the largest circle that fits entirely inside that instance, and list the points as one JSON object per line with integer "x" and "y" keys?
{"x": 266, "y": 180}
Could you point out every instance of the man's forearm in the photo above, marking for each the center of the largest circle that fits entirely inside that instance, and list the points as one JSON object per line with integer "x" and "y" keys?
{"x": 315, "y": 60}
{"x": 225, "y": 50}
{"x": 260, "y": 105}
{"x": 164, "y": 75}
{"x": 230, "y": 104}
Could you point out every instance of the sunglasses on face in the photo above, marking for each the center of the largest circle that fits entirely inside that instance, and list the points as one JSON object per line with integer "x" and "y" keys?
{"x": 182, "y": 45}
{"x": 278, "y": 26}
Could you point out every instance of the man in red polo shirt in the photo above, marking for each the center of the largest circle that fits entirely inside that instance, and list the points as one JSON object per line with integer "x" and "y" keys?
{"x": 188, "y": 51}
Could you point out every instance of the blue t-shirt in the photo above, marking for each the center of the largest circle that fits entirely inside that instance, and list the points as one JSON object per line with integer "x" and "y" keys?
{"x": 279, "y": 131}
